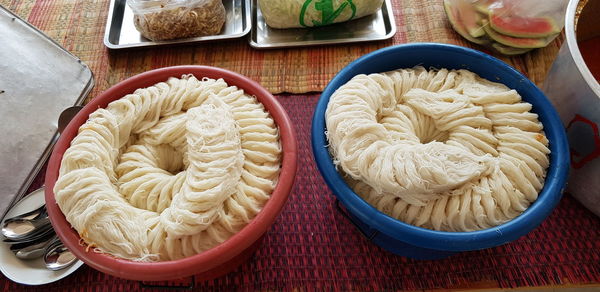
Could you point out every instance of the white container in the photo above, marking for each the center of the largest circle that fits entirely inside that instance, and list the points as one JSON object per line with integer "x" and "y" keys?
{"x": 576, "y": 96}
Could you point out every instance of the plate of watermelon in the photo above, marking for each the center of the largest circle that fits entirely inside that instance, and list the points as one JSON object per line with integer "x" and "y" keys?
{"x": 510, "y": 27}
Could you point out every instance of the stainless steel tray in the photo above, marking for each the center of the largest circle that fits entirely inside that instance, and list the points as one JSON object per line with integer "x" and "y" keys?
{"x": 379, "y": 26}
{"x": 38, "y": 80}
{"x": 120, "y": 32}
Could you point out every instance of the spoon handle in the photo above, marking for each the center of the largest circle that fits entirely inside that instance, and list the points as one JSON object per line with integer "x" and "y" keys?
{"x": 47, "y": 238}
{"x": 35, "y": 250}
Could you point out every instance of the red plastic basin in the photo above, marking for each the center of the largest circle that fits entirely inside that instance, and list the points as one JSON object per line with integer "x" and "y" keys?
{"x": 216, "y": 261}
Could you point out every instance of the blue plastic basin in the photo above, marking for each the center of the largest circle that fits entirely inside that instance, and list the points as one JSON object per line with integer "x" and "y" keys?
{"x": 415, "y": 242}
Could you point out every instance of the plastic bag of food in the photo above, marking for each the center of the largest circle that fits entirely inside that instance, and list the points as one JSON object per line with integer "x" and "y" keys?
{"x": 172, "y": 19}
{"x": 310, "y": 13}
{"x": 510, "y": 27}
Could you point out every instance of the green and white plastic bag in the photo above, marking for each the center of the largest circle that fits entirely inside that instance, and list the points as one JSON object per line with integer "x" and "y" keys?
{"x": 311, "y": 13}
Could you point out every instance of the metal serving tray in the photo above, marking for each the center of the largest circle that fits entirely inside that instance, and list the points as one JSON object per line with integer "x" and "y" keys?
{"x": 38, "y": 80}
{"x": 121, "y": 33}
{"x": 379, "y": 26}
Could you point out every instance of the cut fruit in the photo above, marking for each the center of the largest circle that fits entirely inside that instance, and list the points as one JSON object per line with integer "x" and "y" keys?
{"x": 482, "y": 7}
{"x": 463, "y": 19}
{"x": 510, "y": 51}
{"x": 523, "y": 27}
{"x": 522, "y": 43}
{"x": 469, "y": 18}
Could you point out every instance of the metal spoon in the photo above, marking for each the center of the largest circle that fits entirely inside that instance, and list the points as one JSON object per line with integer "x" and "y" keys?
{"x": 66, "y": 116}
{"x": 39, "y": 233}
{"x": 31, "y": 214}
{"x": 22, "y": 227}
{"x": 57, "y": 256}
{"x": 34, "y": 249}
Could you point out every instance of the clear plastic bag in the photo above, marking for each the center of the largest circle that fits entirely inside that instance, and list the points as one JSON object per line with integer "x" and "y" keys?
{"x": 510, "y": 27}
{"x": 172, "y": 19}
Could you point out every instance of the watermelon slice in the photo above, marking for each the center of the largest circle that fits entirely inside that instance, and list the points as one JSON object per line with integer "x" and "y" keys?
{"x": 509, "y": 51}
{"x": 522, "y": 43}
{"x": 522, "y": 27}
{"x": 463, "y": 19}
{"x": 482, "y": 7}
{"x": 470, "y": 18}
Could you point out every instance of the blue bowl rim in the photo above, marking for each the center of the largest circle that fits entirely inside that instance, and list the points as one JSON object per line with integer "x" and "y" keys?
{"x": 440, "y": 240}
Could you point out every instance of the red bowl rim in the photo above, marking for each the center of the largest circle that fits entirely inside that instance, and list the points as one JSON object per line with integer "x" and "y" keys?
{"x": 213, "y": 257}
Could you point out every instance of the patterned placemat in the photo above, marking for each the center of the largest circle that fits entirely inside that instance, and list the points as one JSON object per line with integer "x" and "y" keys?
{"x": 79, "y": 26}
{"x": 312, "y": 247}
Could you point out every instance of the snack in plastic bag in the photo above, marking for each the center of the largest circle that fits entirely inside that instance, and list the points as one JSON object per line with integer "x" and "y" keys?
{"x": 310, "y": 13}
{"x": 172, "y": 19}
{"x": 510, "y": 27}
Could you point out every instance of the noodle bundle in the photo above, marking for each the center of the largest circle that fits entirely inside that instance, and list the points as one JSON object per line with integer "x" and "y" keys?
{"x": 170, "y": 170}
{"x": 439, "y": 149}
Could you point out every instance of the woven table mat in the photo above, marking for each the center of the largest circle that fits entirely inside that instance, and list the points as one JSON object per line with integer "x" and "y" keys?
{"x": 311, "y": 246}
{"x": 79, "y": 26}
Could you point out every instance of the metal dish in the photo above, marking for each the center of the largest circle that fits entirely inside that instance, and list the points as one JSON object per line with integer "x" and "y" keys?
{"x": 379, "y": 26}
{"x": 39, "y": 80}
{"x": 120, "y": 32}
